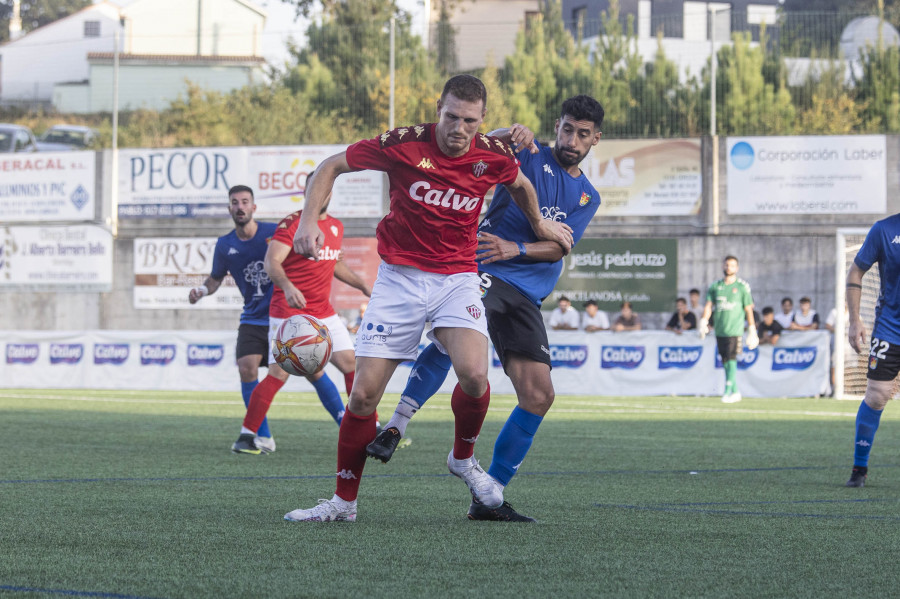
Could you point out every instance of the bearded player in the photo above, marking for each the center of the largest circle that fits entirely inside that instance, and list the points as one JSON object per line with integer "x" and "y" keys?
{"x": 303, "y": 286}
{"x": 517, "y": 272}
{"x": 733, "y": 303}
{"x": 439, "y": 174}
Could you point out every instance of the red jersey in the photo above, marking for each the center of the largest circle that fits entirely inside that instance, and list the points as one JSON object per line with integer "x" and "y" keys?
{"x": 435, "y": 200}
{"x": 312, "y": 278}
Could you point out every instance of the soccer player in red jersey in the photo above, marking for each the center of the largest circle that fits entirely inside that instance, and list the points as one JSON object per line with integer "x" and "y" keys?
{"x": 303, "y": 286}
{"x": 439, "y": 174}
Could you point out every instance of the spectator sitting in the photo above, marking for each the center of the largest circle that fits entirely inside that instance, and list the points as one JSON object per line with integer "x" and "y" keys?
{"x": 786, "y": 317}
{"x": 593, "y": 318}
{"x": 769, "y": 330}
{"x": 628, "y": 320}
{"x": 806, "y": 319}
{"x": 696, "y": 307}
{"x": 683, "y": 319}
{"x": 564, "y": 317}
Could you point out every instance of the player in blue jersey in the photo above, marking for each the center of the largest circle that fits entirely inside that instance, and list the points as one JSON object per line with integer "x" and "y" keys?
{"x": 881, "y": 247}
{"x": 241, "y": 253}
{"x": 517, "y": 272}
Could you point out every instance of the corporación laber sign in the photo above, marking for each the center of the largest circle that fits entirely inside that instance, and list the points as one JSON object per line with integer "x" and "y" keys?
{"x": 822, "y": 174}
{"x": 611, "y": 271}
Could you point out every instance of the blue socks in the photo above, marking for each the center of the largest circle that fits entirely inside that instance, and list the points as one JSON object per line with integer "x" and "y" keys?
{"x": 330, "y": 397}
{"x": 867, "y": 421}
{"x": 513, "y": 444}
{"x": 427, "y": 374}
{"x": 246, "y": 391}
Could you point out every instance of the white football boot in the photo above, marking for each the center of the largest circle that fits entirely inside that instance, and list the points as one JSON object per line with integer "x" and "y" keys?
{"x": 484, "y": 488}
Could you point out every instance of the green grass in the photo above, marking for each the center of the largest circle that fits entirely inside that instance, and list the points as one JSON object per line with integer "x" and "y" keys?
{"x": 107, "y": 493}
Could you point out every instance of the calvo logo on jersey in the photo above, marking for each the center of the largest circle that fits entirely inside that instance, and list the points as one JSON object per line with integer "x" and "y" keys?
{"x": 679, "y": 356}
{"x": 156, "y": 353}
{"x": 66, "y": 353}
{"x": 793, "y": 358}
{"x": 110, "y": 353}
{"x": 622, "y": 356}
{"x": 205, "y": 355}
{"x": 22, "y": 353}
{"x": 745, "y": 359}
{"x": 421, "y": 191}
{"x": 568, "y": 356}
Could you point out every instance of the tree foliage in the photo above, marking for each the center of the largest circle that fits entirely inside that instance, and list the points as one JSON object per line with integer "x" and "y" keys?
{"x": 35, "y": 13}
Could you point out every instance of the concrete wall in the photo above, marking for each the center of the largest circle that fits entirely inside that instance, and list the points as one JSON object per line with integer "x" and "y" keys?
{"x": 779, "y": 255}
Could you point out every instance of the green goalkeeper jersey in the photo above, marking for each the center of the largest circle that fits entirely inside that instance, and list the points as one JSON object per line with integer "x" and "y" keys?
{"x": 729, "y": 302}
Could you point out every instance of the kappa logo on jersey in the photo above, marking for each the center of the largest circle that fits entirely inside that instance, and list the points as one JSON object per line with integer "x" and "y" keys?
{"x": 22, "y": 353}
{"x": 419, "y": 129}
{"x": 479, "y": 168}
{"x": 896, "y": 239}
{"x": 585, "y": 198}
{"x": 155, "y": 353}
{"x": 110, "y": 353}
{"x": 205, "y": 355}
{"x": 425, "y": 163}
{"x": 793, "y": 358}
{"x": 66, "y": 353}
{"x": 232, "y": 251}
{"x": 745, "y": 359}
{"x": 401, "y": 132}
{"x": 440, "y": 197}
{"x": 568, "y": 356}
{"x": 627, "y": 357}
{"x": 679, "y": 356}
{"x": 474, "y": 311}
{"x": 548, "y": 170}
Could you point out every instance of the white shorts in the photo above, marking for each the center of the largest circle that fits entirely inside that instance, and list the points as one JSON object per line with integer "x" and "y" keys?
{"x": 404, "y": 298}
{"x": 340, "y": 336}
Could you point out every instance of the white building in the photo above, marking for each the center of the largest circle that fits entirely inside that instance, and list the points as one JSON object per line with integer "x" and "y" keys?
{"x": 164, "y": 46}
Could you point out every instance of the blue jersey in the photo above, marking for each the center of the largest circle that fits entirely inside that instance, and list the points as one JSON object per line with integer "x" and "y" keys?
{"x": 244, "y": 260}
{"x": 882, "y": 245}
{"x": 561, "y": 197}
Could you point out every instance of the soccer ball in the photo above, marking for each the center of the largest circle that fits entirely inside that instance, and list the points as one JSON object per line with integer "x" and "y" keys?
{"x": 302, "y": 345}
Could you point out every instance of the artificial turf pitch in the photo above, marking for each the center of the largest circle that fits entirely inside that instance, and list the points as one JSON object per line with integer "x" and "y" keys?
{"x": 136, "y": 494}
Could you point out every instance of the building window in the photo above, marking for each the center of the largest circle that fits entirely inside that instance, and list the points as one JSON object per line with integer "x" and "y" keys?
{"x": 530, "y": 16}
{"x": 92, "y": 29}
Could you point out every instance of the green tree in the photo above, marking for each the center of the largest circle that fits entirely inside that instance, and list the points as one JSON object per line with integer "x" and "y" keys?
{"x": 616, "y": 65}
{"x": 35, "y": 13}
{"x": 879, "y": 85}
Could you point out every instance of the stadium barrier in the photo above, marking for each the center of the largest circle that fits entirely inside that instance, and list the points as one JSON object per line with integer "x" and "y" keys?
{"x": 609, "y": 364}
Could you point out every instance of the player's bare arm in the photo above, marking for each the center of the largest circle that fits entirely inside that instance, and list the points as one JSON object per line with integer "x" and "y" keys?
{"x": 492, "y": 248}
{"x": 523, "y": 194}
{"x": 345, "y": 274}
{"x": 209, "y": 286}
{"x": 309, "y": 239}
{"x": 518, "y": 136}
{"x": 273, "y": 264}
{"x": 857, "y": 333}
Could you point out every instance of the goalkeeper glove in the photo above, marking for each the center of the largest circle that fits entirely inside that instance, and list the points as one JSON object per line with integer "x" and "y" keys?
{"x": 703, "y": 328}
{"x": 752, "y": 339}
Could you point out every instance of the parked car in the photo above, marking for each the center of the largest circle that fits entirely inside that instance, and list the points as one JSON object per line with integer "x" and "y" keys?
{"x": 66, "y": 137}
{"x": 16, "y": 138}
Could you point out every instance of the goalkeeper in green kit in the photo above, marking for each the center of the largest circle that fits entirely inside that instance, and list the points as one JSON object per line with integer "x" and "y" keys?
{"x": 733, "y": 304}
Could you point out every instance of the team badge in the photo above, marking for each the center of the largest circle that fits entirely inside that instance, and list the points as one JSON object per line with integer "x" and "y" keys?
{"x": 483, "y": 293}
{"x": 334, "y": 230}
{"x": 585, "y": 198}
{"x": 475, "y": 311}
{"x": 479, "y": 168}
{"x": 873, "y": 363}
